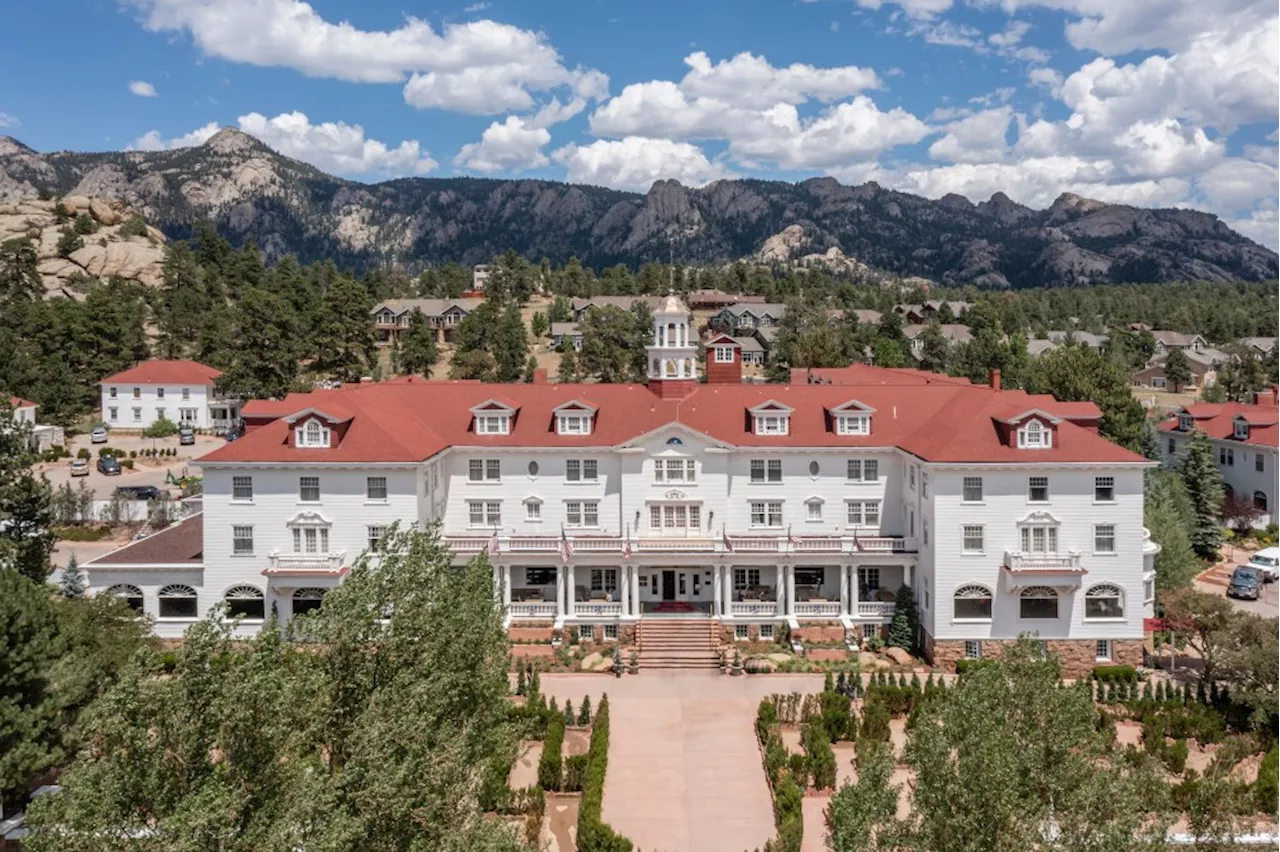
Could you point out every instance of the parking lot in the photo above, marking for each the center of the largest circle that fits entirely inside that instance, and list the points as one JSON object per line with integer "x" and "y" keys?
{"x": 1215, "y": 582}
{"x": 145, "y": 472}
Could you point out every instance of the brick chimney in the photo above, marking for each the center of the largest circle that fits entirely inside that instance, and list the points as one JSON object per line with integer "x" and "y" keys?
{"x": 724, "y": 372}
{"x": 540, "y": 376}
{"x": 995, "y": 380}
{"x": 1267, "y": 397}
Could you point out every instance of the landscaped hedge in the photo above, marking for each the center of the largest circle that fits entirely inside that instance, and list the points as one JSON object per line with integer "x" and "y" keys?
{"x": 963, "y": 666}
{"x": 593, "y": 834}
{"x": 575, "y": 773}
{"x": 550, "y": 764}
{"x": 788, "y": 797}
{"x": 1115, "y": 674}
{"x": 821, "y": 759}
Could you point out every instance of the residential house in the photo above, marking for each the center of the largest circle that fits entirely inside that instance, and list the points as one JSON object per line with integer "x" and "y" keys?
{"x": 1203, "y": 362}
{"x": 1166, "y": 340}
{"x": 561, "y": 331}
{"x": 1037, "y": 346}
{"x": 954, "y": 333}
{"x": 758, "y": 507}
{"x": 1096, "y": 342}
{"x": 581, "y": 306}
{"x": 181, "y": 391}
{"x": 391, "y": 318}
{"x": 752, "y": 351}
{"x": 480, "y": 277}
{"x": 1261, "y": 347}
{"x": 928, "y": 311}
{"x": 43, "y": 436}
{"x": 745, "y": 319}
{"x": 715, "y": 300}
{"x": 865, "y": 316}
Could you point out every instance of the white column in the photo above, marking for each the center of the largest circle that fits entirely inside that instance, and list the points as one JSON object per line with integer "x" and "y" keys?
{"x": 506, "y": 586}
{"x": 571, "y": 590}
{"x": 906, "y": 576}
{"x": 717, "y": 597}
{"x": 727, "y": 588}
{"x": 624, "y": 584}
{"x": 780, "y": 593}
{"x": 635, "y": 590}
{"x": 844, "y": 589}
{"x": 791, "y": 590}
{"x": 854, "y": 593}
{"x": 560, "y": 583}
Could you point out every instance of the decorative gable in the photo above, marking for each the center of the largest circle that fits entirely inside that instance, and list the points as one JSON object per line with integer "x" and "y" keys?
{"x": 493, "y": 417}
{"x": 851, "y": 418}
{"x": 314, "y": 429}
{"x": 574, "y": 417}
{"x": 771, "y": 418}
{"x": 1240, "y": 429}
{"x": 1035, "y": 429}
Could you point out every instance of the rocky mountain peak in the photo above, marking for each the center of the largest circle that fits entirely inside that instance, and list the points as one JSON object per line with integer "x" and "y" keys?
{"x": 1069, "y": 201}
{"x": 10, "y": 146}
{"x": 1004, "y": 209}
{"x": 230, "y": 140}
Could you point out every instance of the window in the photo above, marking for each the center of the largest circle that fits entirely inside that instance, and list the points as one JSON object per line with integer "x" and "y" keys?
{"x": 1038, "y": 489}
{"x": 113, "y": 413}
{"x": 1148, "y": 589}
{"x": 188, "y": 415}
{"x": 724, "y": 354}
{"x": 242, "y": 488}
{"x": 178, "y": 602}
{"x": 111, "y": 392}
{"x": 766, "y": 514}
{"x": 741, "y": 632}
{"x": 1259, "y": 461}
{"x": 493, "y": 424}
{"x": 745, "y": 578}
{"x": 484, "y": 470}
{"x": 1104, "y": 489}
{"x": 375, "y": 536}
{"x": 766, "y": 632}
{"x": 307, "y": 600}
{"x": 582, "y": 513}
{"x": 1105, "y": 601}
{"x": 159, "y": 393}
{"x": 1184, "y": 422}
{"x": 771, "y": 424}
{"x": 137, "y": 415}
{"x": 309, "y": 489}
{"x": 862, "y": 470}
{"x": 809, "y": 576}
{"x": 911, "y": 476}
{"x": 539, "y": 576}
{"x": 868, "y": 583}
{"x": 973, "y": 602}
{"x": 766, "y": 470}
{"x": 1102, "y": 650}
{"x": 1260, "y": 501}
{"x": 853, "y": 424}
{"x": 675, "y": 470}
{"x": 242, "y": 541}
{"x": 972, "y": 489}
{"x": 186, "y": 393}
{"x": 314, "y": 434}
{"x": 132, "y": 596}
{"x": 1242, "y": 430}
{"x": 582, "y": 470}
{"x": 137, "y": 393}
{"x": 972, "y": 649}
{"x": 1227, "y": 456}
{"x": 484, "y": 513}
{"x": 533, "y": 510}
{"x": 1034, "y": 436}
{"x": 375, "y": 488}
{"x": 1038, "y": 602}
{"x": 924, "y": 529}
{"x": 604, "y": 580}
{"x": 311, "y": 540}
{"x": 1040, "y": 538}
{"x": 610, "y": 632}
{"x": 813, "y": 510}
{"x": 533, "y": 469}
{"x": 814, "y": 468}
{"x": 160, "y": 414}
{"x": 862, "y": 513}
{"x": 1173, "y": 447}
{"x": 1104, "y": 538}
{"x": 924, "y": 485}
{"x": 573, "y": 424}
{"x": 655, "y": 517}
{"x": 245, "y": 602}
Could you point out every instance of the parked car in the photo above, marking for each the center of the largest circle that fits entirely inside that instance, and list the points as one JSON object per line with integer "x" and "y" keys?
{"x": 186, "y": 436}
{"x": 1246, "y": 583}
{"x": 232, "y": 434}
{"x": 98, "y": 435}
{"x": 109, "y": 466}
{"x": 138, "y": 492}
{"x": 79, "y": 467}
{"x": 1267, "y": 563}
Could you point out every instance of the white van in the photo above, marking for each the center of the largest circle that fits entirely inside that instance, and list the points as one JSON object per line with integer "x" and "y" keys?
{"x": 1267, "y": 563}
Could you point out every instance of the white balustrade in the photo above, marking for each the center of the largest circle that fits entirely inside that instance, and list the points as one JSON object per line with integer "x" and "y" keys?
{"x": 756, "y": 544}
{"x": 466, "y": 544}
{"x": 826, "y": 609}
{"x": 753, "y": 608}
{"x": 532, "y": 609}
{"x": 1018, "y": 561}
{"x": 597, "y": 609}
{"x": 874, "y": 609}
{"x": 306, "y": 563}
{"x": 531, "y": 544}
{"x": 597, "y": 545}
{"x": 675, "y": 545}
{"x": 823, "y": 544}
{"x": 886, "y": 544}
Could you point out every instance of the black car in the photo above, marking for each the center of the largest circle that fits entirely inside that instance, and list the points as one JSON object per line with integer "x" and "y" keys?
{"x": 138, "y": 492}
{"x": 109, "y": 466}
{"x": 1245, "y": 583}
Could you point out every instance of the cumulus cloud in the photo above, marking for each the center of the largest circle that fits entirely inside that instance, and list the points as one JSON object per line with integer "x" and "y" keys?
{"x": 514, "y": 144}
{"x": 977, "y": 138}
{"x": 634, "y": 163}
{"x": 913, "y": 8}
{"x": 750, "y": 82}
{"x": 333, "y": 146}
{"x": 480, "y": 67}
{"x": 1113, "y": 28}
{"x": 142, "y": 89}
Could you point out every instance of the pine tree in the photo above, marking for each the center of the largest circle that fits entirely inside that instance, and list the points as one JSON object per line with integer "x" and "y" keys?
{"x": 418, "y": 351}
{"x": 344, "y": 335}
{"x": 1203, "y": 481}
{"x": 1177, "y": 371}
{"x": 569, "y": 716}
{"x": 568, "y": 371}
{"x": 530, "y": 369}
{"x": 904, "y": 626}
{"x": 584, "y": 711}
{"x": 521, "y": 687}
{"x": 73, "y": 584}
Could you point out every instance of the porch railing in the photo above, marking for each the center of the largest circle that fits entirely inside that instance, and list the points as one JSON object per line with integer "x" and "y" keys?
{"x": 311, "y": 563}
{"x": 874, "y": 609}
{"x": 830, "y": 609}
{"x": 742, "y": 544}
{"x": 597, "y": 609}
{"x": 674, "y": 545}
{"x": 532, "y": 609}
{"x": 1016, "y": 560}
{"x": 766, "y": 608}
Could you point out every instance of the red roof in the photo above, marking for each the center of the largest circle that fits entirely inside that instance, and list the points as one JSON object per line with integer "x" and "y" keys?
{"x": 947, "y": 420}
{"x": 180, "y": 543}
{"x": 19, "y": 402}
{"x": 1218, "y": 420}
{"x": 165, "y": 373}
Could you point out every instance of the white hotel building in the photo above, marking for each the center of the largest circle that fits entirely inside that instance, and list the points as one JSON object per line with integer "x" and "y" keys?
{"x": 807, "y": 504}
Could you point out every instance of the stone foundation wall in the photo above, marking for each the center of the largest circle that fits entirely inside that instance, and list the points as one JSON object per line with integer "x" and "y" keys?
{"x": 826, "y": 631}
{"x": 1076, "y": 655}
{"x": 529, "y": 632}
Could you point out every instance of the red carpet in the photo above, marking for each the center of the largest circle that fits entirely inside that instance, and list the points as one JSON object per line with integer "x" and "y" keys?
{"x": 675, "y": 606}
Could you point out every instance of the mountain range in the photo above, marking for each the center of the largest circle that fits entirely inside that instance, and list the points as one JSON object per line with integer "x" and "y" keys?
{"x": 286, "y": 206}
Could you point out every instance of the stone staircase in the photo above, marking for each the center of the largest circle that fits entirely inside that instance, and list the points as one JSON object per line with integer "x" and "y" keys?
{"x": 678, "y": 643}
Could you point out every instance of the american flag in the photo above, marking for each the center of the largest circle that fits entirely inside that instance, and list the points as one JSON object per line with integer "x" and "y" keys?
{"x": 626, "y": 546}
{"x": 566, "y": 549}
{"x": 728, "y": 545}
{"x": 493, "y": 543}
{"x": 792, "y": 538}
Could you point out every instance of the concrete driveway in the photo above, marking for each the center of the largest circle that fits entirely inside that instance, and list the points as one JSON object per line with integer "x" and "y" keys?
{"x": 1215, "y": 580}
{"x": 142, "y": 474}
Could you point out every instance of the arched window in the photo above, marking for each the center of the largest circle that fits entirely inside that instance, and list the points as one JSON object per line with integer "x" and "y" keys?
{"x": 1105, "y": 601}
{"x": 973, "y": 602}
{"x": 178, "y": 602}
{"x": 306, "y": 600}
{"x": 245, "y": 601}
{"x": 1260, "y": 501}
{"x": 1038, "y": 602}
{"x": 132, "y": 595}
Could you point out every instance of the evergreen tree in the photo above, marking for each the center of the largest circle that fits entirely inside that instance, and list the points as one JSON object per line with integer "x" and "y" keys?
{"x": 904, "y": 628}
{"x": 530, "y": 370}
{"x": 610, "y": 339}
{"x": 26, "y": 504}
{"x": 183, "y": 307}
{"x": 472, "y": 364}
{"x": 568, "y": 370}
{"x": 1177, "y": 370}
{"x": 19, "y": 278}
{"x": 511, "y": 345}
{"x": 69, "y": 242}
{"x": 539, "y": 325}
{"x": 344, "y": 334}
{"x": 935, "y": 351}
{"x": 265, "y": 363}
{"x": 417, "y": 352}
{"x": 1168, "y": 516}
{"x": 1203, "y": 482}
{"x": 1078, "y": 373}
{"x": 73, "y": 583}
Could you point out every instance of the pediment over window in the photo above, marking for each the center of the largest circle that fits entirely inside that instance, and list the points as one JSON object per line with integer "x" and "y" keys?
{"x": 310, "y": 413}
{"x": 770, "y": 418}
{"x": 1036, "y": 414}
{"x": 309, "y": 519}
{"x": 574, "y": 406}
{"x": 1039, "y": 517}
{"x": 771, "y": 406}
{"x": 493, "y": 417}
{"x": 494, "y": 406}
{"x": 853, "y": 406}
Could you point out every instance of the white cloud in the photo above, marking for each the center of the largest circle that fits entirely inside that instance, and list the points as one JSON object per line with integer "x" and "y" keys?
{"x": 142, "y": 89}
{"x": 475, "y": 7}
{"x": 1111, "y": 27}
{"x": 1236, "y": 184}
{"x": 153, "y": 141}
{"x": 634, "y": 163}
{"x": 9, "y": 120}
{"x": 856, "y": 130}
{"x": 977, "y": 138}
{"x": 513, "y": 144}
{"x": 750, "y": 82}
{"x": 1261, "y": 226}
{"x": 913, "y": 8}
{"x": 480, "y": 67}
{"x": 332, "y": 146}
{"x": 1047, "y": 78}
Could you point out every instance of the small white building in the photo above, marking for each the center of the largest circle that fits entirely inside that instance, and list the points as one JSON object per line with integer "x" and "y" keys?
{"x": 181, "y": 391}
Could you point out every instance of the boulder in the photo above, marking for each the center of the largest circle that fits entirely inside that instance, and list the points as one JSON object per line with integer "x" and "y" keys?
{"x": 604, "y": 665}
{"x": 139, "y": 261}
{"x": 899, "y": 656}
{"x": 760, "y": 665}
{"x": 76, "y": 204}
{"x": 103, "y": 212}
{"x": 781, "y": 658}
{"x": 590, "y": 661}
{"x": 867, "y": 659}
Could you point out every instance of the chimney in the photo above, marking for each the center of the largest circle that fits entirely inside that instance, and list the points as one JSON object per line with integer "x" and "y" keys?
{"x": 540, "y": 376}
{"x": 727, "y": 372}
{"x": 1267, "y": 397}
{"x": 995, "y": 380}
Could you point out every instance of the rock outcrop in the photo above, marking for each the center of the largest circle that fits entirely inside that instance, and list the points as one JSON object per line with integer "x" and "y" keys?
{"x": 106, "y": 252}
{"x": 285, "y": 206}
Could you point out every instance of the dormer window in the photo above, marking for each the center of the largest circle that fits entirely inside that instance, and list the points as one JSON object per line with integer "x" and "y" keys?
{"x": 1034, "y": 436}
{"x": 493, "y": 424}
{"x": 853, "y": 424}
{"x": 1184, "y": 422}
{"x": 312, "y": 434}
{"x": 1242, "y": 430}
{"x": 772, "y": 424}
{"x": 573, "y": 424}
{"x": 724, "y": 354}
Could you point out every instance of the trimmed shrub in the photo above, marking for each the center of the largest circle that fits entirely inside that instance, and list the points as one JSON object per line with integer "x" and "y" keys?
{"x": 83, "y": 453}
{"x": 575, "y": 773}
{"x": 593, "y": 834}
{"x": 963, "y": 666}
{"x": 550, "y": 764}
{"x": 162, "y": 428}
{"x": 584, "y": 713}
{"x": 1175, "y": 756}
{"x": 1115, "y": 674}
{"x": 875, "y": 719}
{"x": 835, "y": 714}
{"x": 822, "y": 760}
{"x": 788, "y": 814}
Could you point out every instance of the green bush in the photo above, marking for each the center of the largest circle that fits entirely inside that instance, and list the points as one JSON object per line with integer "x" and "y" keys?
{"x": 83, "y": 453}
{"x": 1267, "y": 787}
{"x": 134, "y": 227}
{"x": 963, "y": 666}
{"x": 822, "y": 760}
{"x": 593, "y": 834}
{"x": 875, "y": 718}
{"x": 1175, "y": 756}
{"x": 788, "y": 814}
{"x": 127, "y": 464}
{"x": 167, "y": 661}
{"x": 162, "y": 428}
{"x": 899, "y": 700}
{"x": 79, "y": 533}
{"x": 69, "y": 242}
{"x": 835, "y": 714}
{"x": 1115, "y": 674}
{"x": 550, "y": 764}
{"x": 85, "y": 224}
{"x": 575, "y": 772}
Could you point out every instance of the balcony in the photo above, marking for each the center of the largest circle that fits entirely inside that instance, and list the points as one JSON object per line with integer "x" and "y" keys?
{"x": 675, "y": 545}
{"x": 312, "y": 564}
{"x": 549, "y": 545}
{"x": 824, "y": 544}
{"x": 817, "y": 609}
{"x": 874, "y": 610}
{"x": 754, "y": 608}
{"x": 532, "y": 609}
{"x": 1043, "y": 569}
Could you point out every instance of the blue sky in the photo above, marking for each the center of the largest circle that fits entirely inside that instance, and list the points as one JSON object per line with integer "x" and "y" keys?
{"x": 1150, "y": 102}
